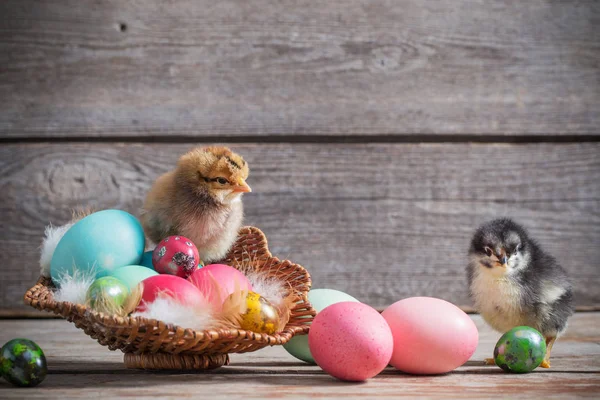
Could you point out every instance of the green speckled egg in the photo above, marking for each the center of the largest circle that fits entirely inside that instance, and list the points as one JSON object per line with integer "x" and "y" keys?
{"x": 23, "y": 363}
{"x": 522, "y": 349}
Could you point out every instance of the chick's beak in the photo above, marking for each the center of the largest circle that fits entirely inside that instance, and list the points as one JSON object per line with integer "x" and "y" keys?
{"x": 242, "y": 187}
{"x": 503, "y": 259}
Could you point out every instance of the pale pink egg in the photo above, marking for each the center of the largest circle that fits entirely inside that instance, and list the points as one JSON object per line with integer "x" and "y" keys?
{"x": 171, "y": 286}
{"x": 218, "y": 281}
{"x": 431, "y": 336}
{"x": 350, "y": 341}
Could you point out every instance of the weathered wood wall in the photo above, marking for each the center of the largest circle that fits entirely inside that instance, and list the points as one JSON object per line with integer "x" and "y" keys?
{"x": 379, "y": 133}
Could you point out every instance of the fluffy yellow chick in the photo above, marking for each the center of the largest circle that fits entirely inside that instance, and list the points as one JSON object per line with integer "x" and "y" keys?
{"x": 200, "y": 199}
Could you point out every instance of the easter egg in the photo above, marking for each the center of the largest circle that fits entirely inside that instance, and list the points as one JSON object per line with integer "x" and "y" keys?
{"x": 169, "y": 285}
{"x": 521, "y": 350}
{"x": 219, "y": 281}
{"x": 98, "y": 244}
{"x": 131, "y": 275}
{"x": 147, "y": 259}
{"x": 319, "y": 299}
{"x": 175, "y": 255}
{"x": 22, "y": 363}
{"x": 260, "y": 316}
{"x": 431, "y": 336}
{"x": 350, "y": 341}
{"x": 107, "y": 294}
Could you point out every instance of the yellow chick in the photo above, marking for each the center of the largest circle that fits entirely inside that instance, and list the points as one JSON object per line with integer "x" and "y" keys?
{"x": 200, "y": 199}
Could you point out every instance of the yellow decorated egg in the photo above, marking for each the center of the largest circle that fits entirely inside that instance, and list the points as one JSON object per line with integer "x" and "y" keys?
{"x": 260, "y": 316}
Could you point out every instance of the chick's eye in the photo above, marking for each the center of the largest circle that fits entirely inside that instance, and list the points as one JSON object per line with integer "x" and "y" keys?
{"x": 200, "y": 177}
{"x": 488, "y": 251}
{"x": 517, "y": 248}
{"x": 222, "y": 181}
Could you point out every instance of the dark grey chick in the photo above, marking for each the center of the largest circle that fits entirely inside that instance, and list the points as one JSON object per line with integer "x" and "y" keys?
{"x": 513, "y": 282}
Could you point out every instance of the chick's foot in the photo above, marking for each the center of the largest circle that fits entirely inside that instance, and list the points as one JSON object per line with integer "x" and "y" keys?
{"x": 549, "y": 343}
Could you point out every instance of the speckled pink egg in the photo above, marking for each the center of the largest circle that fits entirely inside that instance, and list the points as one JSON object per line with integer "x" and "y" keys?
{"x": 175, "y": 255}
{"x": 350, "y": 341}
{"x": 431, "y": 336}
{"x": 228, "y": 280}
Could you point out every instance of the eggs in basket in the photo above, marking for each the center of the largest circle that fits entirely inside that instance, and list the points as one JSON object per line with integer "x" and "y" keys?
{"x": 97, "y": 263}
{"x": 166, "y": 305}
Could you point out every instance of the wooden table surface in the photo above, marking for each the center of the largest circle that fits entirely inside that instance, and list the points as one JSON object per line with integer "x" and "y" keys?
{"x": 79, "y": 367}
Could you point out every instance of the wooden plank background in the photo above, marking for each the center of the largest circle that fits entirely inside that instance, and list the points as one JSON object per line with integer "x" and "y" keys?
{"x": 379, "y": 134}
{"x": 75, "y": 68}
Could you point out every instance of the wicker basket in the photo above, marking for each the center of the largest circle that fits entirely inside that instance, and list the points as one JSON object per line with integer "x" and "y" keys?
{"x": 152, "y": 344}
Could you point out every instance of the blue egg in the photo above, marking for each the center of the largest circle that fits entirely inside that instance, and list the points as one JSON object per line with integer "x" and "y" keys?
{"x": 98, "y": 244}
{"x": 147, "y": 260}
{"x": 132, "y": 275}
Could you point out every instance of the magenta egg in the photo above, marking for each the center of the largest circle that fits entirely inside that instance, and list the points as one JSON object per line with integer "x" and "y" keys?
{"x": 218, "y": 281}
{"x": 431, "y": 336}
{"x": 169, "y": 285}
{"x": 176, "y": 255}
{"x": 350, "y": 341}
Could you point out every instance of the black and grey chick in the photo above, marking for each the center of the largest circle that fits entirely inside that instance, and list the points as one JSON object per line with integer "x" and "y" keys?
{"x": 513, "y": 282}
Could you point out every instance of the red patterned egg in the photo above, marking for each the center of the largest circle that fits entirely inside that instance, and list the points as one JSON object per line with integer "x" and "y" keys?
{"x": 176, "y": 255}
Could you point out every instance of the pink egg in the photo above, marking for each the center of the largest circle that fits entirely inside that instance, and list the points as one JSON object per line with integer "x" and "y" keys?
{"x": 170, "y": 285}
{"x": 431, "y": 336}
{"x": 175, "y": 255}
{"x": 218, "y": 281}
{"x": 350, "y": 341}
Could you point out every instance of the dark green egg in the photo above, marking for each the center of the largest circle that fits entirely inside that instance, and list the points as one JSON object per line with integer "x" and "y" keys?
{"x": 522, "y": 349}
{"x": 23, "y": 363}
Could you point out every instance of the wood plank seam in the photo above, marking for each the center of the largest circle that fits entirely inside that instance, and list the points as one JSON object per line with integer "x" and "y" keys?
{"x": 483, "y": 138}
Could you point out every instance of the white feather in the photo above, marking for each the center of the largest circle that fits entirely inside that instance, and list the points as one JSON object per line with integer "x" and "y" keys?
{"x": 198, "y": 317}
{"x": 73, "y": 288}
{"x": 268, "y": 287}
{"x": 53, "y": 234}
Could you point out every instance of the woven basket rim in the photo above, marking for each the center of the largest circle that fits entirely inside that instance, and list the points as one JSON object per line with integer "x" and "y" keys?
{"x": 40, "y": 297}
{"x": 129, "y": 321}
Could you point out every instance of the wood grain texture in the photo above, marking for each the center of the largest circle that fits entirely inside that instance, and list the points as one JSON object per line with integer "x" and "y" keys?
{"x": 80, "y": 368}
{"x": 72, "y": 68}
{"x": 381, "y": 222}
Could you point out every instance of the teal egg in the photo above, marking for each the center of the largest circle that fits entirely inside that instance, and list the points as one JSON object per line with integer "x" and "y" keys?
{"x": 22, "y": 363}
{"x": 319, "y": 299}
{"x": 107, "y": 294}
{"x": 521, "y": 350}
{"x": 131, "y": 275}
{"x": 99, "y": 243}
{"x": 147, "y": 260}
